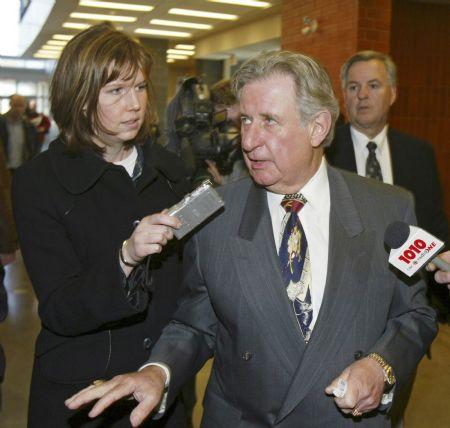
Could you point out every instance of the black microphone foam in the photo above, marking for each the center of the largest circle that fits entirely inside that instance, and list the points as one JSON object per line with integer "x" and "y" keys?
{"x": 396, "y": 234}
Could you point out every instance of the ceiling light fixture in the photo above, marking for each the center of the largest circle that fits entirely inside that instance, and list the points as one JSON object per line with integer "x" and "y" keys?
{"x": 76, "y": 25}
{"x": 57, "y": 42}
{"x": 47, "y": 52}
{"x": 174, "y": 56}
{"x": 62, "y": 37}
{"x": 114, "y": 5}
{"x": 154, "y": 32}
{"x": 180, "y": 52}
{"x": 52, "y": 48}
{"x": 102, "y": 17}
{"x": 203, "y": 14}
{"x": 181, "y": 24}
{"x": 250, "y": 3}
{"x": 44, "y": 56}
{"x": 187, "y": 47}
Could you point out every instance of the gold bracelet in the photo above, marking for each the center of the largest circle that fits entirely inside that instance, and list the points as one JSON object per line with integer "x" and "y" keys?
{"x": 122, "y": 258}
{"x": 389, "y": 376}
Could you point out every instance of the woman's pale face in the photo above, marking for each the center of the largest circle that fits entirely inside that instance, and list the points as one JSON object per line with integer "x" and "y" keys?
{"x": 122, "y": 106}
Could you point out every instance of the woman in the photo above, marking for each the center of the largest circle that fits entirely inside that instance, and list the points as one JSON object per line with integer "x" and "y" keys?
{"x": 89, "y": 211}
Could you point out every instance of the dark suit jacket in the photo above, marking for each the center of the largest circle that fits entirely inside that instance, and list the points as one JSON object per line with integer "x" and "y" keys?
{"x": 236, "y": 308}
{"x": 414, "y": 168}
{"x": 32, "y": 145}
{"x": 72, "y": 215}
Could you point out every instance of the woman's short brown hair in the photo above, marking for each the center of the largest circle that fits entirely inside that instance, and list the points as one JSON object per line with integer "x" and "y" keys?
{"x": 89, "y": 61}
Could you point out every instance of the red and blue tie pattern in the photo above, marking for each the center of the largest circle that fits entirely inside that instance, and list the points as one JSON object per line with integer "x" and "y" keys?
{"x": 295, "y": 263}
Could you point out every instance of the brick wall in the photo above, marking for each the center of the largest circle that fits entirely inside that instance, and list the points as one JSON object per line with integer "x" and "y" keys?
{"x": 344, "y": 27}
{"x": 417, "y": 35}
{"x": 420, "y": 46}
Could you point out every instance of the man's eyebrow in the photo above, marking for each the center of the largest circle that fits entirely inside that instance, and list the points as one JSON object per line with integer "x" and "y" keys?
{"x": 267, "y": 115}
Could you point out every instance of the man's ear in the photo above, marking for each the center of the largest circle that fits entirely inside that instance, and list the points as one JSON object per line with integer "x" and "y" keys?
{"x": 320, "y": 127}
{"x": 393, "y": 95}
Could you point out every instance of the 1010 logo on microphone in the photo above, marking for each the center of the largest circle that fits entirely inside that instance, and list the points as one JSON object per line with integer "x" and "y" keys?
{"x": 418, "y": 250}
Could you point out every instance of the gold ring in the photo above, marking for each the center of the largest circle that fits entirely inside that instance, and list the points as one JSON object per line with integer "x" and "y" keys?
{"x": 98, "y": 382}
{"x": 356, "y": 413}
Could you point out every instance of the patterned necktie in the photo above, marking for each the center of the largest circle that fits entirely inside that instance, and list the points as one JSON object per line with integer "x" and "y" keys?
{"x": 373, "y": 169}
{"x": 295, "y": 263}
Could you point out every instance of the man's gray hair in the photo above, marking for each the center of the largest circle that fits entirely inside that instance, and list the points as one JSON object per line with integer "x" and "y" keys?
{"x": 313, "y": 87}
{"x": 365, "y": 56}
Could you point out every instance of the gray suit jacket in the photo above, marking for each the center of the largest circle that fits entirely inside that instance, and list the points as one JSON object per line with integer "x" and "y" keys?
{"x": 236, "y": 309}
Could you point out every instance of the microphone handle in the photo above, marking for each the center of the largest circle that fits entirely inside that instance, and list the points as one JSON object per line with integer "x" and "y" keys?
{"x": 441, "y": 264}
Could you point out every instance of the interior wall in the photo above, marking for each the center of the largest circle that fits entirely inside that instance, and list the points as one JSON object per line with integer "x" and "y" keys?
{"x": 420, "y": 46}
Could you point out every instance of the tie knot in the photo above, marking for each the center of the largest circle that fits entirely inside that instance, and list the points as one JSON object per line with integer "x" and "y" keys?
{"x": 293, "y": 202}
{"x": 371, "y": 146}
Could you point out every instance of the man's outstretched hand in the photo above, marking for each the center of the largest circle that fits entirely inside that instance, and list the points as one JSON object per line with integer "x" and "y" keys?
{"x": 146, "y": 386}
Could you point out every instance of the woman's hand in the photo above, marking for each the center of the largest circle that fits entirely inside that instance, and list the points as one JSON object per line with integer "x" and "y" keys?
{"x": 149, "y": 237}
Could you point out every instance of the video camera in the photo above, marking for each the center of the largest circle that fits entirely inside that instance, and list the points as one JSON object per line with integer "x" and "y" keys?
{"x": 211, "y": 135}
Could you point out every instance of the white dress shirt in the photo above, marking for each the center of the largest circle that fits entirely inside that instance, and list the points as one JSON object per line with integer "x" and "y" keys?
{"x": 382, "y": 152}
{"x": 315, "y": 219}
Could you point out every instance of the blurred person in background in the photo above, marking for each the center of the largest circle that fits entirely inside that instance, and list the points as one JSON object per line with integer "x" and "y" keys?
{"x": 19, "y": 136}
{"x": 226, "y": 105}
{"x": 39, "y": 120}
{"x": 202, "y": 131}
{"x": 8, "y": 245}
{"x": 89, "y": 213}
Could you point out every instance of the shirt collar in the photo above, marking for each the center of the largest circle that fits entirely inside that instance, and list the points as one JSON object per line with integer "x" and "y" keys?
{"x": 316, "y": 191}
{"x": 361, "y": 140}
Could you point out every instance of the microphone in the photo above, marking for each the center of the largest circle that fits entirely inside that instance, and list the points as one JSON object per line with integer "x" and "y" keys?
{"x": 412, "y": 248}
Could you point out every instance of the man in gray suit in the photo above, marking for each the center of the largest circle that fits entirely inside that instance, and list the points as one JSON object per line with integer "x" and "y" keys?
{"x": 332, "y": 348}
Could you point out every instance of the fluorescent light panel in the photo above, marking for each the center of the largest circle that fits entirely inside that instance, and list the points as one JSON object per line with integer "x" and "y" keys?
{"x": 154, "y": 32}
{"x": 57, "y": 42}
{"x": 52, "y": 48}
{"x": 203, "y": 14}
{"x": 174, "y": 56}
{"x": 62, "y": 37}
{"x": 181, "y": 24}
{"x": 250, "y": 3}
{"x": 47, "y": 52}
{"x": 102, "y": 17}
{"x": 44, "y": 56}
{"x": 180, "y": 52}
{"x": 186, "y": 47}
{"x": 76, "y": 25}
{"x": 114, "y": 5}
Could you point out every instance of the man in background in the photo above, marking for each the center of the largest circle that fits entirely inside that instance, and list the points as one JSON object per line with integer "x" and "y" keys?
{"x": 19, "y": 137}
{"x": 368, "y": 146}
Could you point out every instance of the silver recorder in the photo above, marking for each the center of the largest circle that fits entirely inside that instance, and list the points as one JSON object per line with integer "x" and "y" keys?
{"x": 195, "y": 208}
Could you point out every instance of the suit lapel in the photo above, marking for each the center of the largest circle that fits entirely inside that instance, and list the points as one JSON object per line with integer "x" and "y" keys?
{"x": 348, "y": 267}
{"x": 342, "y": 153}
{"x": 400, "y": 172}
{"x": 256, "y": 260}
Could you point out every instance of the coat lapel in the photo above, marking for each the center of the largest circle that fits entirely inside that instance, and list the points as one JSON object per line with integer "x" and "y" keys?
{"x": 256, "y": 260}
{"x": 348, "y": 267}
{"x": 342, "y": 153}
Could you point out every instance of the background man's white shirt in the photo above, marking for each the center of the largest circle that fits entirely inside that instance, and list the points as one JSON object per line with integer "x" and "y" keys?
{"x": 362, "y": 152}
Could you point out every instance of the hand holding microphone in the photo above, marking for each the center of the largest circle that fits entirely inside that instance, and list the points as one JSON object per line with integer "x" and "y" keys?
{"x": 412, "y": 248}
{"x": 442, "y": 276}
